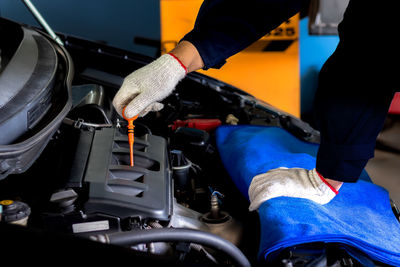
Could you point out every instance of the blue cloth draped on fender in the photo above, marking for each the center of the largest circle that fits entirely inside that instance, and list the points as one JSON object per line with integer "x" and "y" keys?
{"x": 359, "y": 217}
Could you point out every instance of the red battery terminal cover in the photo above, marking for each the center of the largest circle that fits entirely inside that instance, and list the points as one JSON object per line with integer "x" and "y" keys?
{"x": 200, "y": 124}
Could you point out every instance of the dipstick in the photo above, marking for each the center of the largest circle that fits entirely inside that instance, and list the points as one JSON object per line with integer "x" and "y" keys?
{"x": 131, "y": 134}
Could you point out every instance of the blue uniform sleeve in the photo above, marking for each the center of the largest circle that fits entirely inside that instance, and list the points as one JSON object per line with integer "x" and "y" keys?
{"x": 225, "y": 27}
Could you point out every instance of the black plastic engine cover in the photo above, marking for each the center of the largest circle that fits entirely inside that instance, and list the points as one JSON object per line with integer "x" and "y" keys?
{"x": 117, "y": 189}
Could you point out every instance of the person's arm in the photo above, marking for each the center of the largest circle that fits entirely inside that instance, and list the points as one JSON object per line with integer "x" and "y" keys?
{"x": 226, "y": 27}
{"x": 187, "y": 53}
{"x": 222, "y": 29}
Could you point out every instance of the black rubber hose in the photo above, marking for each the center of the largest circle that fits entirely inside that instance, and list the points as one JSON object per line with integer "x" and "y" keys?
{"x": 178, "y": 235}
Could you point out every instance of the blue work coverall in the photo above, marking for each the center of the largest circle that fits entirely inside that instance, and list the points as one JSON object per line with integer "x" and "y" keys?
{"x": 356, "y": 84}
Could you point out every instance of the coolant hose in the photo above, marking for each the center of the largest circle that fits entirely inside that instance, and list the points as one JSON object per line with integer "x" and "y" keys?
{"x": 175, "y": 235}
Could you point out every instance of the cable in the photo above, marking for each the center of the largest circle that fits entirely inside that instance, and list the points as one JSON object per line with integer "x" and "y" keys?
{"x": 81, "y": 123}
{"x": 175, "y": 235}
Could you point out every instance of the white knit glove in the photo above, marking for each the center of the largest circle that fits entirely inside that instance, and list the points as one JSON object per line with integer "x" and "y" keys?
{"x": 143, "y": 88}
{"x": 294, "y": 182}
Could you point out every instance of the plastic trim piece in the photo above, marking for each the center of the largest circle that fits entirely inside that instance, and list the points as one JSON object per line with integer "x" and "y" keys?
{"x": 117, "y": 189}
{"x": 19, "y": 156}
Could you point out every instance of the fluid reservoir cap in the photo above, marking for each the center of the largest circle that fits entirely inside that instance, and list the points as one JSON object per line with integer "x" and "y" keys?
{"x": 14, "y": 210}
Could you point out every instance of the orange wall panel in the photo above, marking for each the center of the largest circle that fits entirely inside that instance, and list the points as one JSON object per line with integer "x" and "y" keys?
{"x": 272, "y": 76}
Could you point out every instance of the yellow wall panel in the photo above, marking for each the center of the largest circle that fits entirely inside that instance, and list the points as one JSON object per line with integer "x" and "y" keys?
{"x": 273, "y": 76}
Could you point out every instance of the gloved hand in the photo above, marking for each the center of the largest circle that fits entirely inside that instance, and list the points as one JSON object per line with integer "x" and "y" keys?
{"x": 294, "y": 182}
{"x": 142, "y": 88}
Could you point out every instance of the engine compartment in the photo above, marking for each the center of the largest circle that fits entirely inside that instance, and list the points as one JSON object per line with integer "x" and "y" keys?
{"x": 82, "y": 184}
{"x": 87, "y": 188}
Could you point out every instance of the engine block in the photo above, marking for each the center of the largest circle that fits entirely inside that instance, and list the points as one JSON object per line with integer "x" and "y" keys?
{"x": 117, "y": 189}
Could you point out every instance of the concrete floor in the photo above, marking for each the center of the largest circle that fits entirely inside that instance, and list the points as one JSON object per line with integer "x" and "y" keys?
{"x": 384, "y": 168}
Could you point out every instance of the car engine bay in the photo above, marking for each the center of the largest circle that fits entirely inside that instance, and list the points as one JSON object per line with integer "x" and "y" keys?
{"x": 177, "y": 202}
